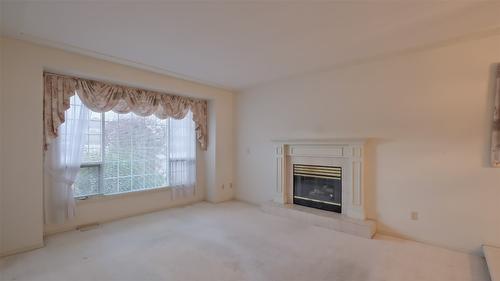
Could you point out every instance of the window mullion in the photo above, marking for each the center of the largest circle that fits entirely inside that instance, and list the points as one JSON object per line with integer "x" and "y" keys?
{"x": 101, "y": 166}
{"x": 169, "y": 167}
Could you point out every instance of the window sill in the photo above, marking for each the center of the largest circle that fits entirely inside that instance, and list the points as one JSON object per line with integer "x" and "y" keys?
{"x": 104, "y": 197}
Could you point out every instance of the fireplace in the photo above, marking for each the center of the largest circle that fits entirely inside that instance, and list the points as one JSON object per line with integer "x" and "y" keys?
{"x": 343, "y": 162}
{"x": 318, "y": 187}
{"x": 322, "y": 174}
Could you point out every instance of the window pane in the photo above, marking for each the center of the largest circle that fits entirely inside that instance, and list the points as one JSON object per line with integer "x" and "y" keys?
{"x": 138, "y": 183}
{"x": 111, "y": 170}
{"x": 138, "y": 167}
{"x": 110, "y": 186}
{"x": 136, "y": 153}
{"x": 182, "y": 152}
{"x": 92, "y": 136}
{"x": 95, "y": 124}
{"x": 124, "y": 168}
{"x": 124, "y": 184}
{"x": 111, "y": 150}
{"x": 139, "y": 146}
{"x": 149, "y": 181}
{"x": 87, "y": 181}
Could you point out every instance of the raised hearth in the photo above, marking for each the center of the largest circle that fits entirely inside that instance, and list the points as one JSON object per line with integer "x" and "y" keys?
{"x": 322, "y": 218}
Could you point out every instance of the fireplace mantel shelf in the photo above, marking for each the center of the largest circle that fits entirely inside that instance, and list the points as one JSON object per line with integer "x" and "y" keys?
{"x": 320, "y": 141}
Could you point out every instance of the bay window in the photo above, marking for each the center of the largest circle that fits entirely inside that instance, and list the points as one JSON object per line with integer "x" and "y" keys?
{"x": 127, "y": 152}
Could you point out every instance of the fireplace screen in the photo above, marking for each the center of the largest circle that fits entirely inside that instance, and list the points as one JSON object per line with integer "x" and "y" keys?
{"x": 318, "y": 187}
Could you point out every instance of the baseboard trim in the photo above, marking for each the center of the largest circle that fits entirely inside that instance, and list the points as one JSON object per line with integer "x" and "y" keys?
{"x": 75, "y": 227}
{"x": 429, "y": 243}
{"x": 22, "y": 250}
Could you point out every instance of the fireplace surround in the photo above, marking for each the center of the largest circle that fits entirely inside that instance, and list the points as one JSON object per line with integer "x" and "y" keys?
{"x": 301, "y": 165}
{"x": 347, "y": 154}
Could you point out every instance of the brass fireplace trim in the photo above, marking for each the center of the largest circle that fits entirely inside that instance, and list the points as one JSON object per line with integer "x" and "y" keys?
{"x": 317, "y": 171}
{"x": 314, "y": 200}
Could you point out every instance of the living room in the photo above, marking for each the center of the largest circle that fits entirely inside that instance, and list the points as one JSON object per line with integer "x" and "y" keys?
{"x": 250, "y": 140}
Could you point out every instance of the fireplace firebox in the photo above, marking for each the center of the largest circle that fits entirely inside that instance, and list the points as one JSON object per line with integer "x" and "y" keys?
{"x": 318, "y": 187}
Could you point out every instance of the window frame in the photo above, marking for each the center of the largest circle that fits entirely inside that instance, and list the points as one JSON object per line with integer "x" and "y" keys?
{"x": 100, "y": 166}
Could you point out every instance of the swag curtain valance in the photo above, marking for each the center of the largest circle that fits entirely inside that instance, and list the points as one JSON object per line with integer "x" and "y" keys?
{"x": 101, "y": 97}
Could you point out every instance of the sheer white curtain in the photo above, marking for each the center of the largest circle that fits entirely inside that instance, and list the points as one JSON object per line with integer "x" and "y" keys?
{"x": 62, "y": 163}
{"x": 182, "y": 155}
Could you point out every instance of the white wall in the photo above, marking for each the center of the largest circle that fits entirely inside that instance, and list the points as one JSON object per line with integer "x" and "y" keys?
{"x": 1, "y": 130}
{"x": 1, "y": 133}
{"x": 429, "y": 113}
{"x": 21, "y": 159}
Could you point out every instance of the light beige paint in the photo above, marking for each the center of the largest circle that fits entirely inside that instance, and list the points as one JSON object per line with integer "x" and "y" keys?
{"x": 429, "y": 114}
{"x": 22, "y": 145}
{"x": 240, "y": 44}
{"x": 492, "y": 256}
{"x": 1, "y": 138}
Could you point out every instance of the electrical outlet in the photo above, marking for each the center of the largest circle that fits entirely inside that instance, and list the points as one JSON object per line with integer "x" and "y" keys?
{"x": 414, "y": 215}
{"x": 222, "y": 186}
{"x": 231, "y": 185}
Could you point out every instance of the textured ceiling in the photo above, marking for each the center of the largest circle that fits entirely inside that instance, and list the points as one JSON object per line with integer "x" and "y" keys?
{"x": 238, "y": 45}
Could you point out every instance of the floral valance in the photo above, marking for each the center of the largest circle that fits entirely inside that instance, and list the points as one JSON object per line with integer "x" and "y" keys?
{"x": 101, "y": 97}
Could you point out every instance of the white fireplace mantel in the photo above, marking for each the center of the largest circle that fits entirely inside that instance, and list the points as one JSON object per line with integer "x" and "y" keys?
{"x": 345, "y": 153}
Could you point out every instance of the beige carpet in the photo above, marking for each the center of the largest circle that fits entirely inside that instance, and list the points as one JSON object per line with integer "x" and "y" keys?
{"x": 233, "y": 241}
